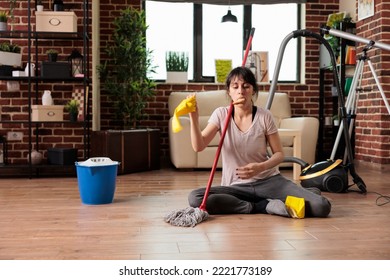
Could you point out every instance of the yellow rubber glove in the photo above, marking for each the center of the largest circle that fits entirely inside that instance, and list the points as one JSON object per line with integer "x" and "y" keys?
{"x": 295, "y": 207}
{"x": 188, "y": 105}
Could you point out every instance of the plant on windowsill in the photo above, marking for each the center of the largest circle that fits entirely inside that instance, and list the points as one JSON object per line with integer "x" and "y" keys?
{"x": 73, "y": 109}
{"x": 177, "y": 67}
{"x": 124, "y": 79}
{"x": 52, "y": 55}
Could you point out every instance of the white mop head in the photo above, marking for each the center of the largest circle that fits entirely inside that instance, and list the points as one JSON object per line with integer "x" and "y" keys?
{"x": 188, "y": 217}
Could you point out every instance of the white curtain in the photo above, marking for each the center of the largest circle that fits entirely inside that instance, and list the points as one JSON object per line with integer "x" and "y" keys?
{"x": 235, "y": 2}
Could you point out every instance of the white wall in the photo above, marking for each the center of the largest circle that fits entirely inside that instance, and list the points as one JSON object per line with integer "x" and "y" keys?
{"x": 349, "y": 6}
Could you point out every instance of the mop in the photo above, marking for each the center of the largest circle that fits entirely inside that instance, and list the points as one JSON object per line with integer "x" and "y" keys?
{"x": 190, "y": 216}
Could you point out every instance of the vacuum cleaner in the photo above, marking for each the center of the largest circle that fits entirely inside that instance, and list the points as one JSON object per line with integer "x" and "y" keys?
{"x": 330, "y": 175}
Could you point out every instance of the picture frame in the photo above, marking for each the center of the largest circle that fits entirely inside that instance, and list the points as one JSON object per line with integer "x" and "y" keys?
{"x": 222, "y": 69}
{"x": 258, "y": 62}
{"x": 78, "y": 94}
{"x": 366, "y": 9}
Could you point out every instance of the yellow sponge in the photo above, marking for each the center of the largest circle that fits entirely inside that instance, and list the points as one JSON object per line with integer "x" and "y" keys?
{"x": 188, "y": 105}
{"x": 295, "y": 207}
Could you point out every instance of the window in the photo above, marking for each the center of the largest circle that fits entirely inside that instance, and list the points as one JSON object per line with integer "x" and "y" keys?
{"x": 197, "y": 29}
{"x": 171, "y": 28}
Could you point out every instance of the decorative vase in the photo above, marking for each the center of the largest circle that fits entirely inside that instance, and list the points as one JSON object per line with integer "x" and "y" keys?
{"x": 3, "y": 26}
{"x": 39, "y": 8}
{"x": 35, "y": 157}
{"x": 46, "y": 98}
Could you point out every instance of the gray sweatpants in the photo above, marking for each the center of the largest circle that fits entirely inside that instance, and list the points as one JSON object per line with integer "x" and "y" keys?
{"x": 240, "y": 199}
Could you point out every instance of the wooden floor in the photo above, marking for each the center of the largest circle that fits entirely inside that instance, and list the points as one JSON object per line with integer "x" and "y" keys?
{"x": 43, "y": 218}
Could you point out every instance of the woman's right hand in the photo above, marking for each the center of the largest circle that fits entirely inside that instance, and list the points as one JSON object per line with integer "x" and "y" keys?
{"x": 195, "y": 114}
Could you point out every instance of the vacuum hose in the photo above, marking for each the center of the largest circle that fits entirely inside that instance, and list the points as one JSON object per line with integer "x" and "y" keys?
{"x": 343, "y": 113}
{"x": 301, "y": 162}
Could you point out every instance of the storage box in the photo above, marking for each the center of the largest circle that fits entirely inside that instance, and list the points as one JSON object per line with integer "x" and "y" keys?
{"x": 56, "y": 21}
{"x": 45, "y": 113}
{"x": 6, "y": 70}
{"x": 57, "y": 70}
{"x": 61, "y": 156}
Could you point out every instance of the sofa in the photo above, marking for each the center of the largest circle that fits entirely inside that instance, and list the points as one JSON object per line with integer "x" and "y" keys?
{"x": 183, "y": 156}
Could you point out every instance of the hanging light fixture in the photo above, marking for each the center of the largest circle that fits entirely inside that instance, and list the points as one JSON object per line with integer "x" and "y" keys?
{"x": 229, "y": 17}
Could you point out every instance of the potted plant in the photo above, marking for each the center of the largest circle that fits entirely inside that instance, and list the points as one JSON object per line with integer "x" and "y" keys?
{"x": 176, "y": 66}
{"x": 124, "y": 78}
{"x": 336, "y": 120}
{"x": 73, "y": 108}
{"x": 39, "y": 6}
{"x": 52, "y": 55}
{"x": 124, "y": 75}
{"x": 10, "y": 58}
{"x": 3, "y": 20}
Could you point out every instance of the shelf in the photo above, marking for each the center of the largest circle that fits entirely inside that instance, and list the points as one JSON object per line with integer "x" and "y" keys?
{"x": 45, "y": 122}
{"x": 43, "y": 170}
{"x": 345, "y": 72}
{"x": 42, "y": 79}
{"x": 34, "y": 44}
{"x": 42, "y": 35}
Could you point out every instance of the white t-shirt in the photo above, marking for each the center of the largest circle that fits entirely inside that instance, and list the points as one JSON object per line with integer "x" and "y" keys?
{"x": 241, "y": 148}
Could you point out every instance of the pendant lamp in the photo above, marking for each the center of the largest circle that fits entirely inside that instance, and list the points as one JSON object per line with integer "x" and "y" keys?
{"x": 229, "y": 17}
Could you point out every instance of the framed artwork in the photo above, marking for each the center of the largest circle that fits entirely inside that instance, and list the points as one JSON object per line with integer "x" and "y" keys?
{"x": 257, "y": 61}
{"x": 78, "y": 95}
{"x": 222, "y": 69}
{"x": 366, "y": 8}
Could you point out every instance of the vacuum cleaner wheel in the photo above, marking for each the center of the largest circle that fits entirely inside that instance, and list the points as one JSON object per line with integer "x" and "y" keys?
{"x": 335, "y": 181}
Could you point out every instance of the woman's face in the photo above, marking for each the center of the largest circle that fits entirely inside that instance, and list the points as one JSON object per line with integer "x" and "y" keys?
{"x": 240, "y": 91}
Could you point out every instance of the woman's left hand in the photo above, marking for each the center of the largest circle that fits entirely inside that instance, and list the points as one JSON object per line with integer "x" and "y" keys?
{"x": 249, "y": 170}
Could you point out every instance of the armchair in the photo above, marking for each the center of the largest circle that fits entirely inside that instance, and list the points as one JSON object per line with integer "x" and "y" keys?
{"x": 183, "y": 156}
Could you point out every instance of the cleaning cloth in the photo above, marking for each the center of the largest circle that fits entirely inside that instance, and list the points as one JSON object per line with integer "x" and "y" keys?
{"x": 188, "y": 105}
{"x": 295, "y": 207}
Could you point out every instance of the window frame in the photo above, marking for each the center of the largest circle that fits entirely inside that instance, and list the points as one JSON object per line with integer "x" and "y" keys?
{"x": 247, "y": 26}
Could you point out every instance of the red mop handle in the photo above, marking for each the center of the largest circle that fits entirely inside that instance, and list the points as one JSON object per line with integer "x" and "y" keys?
{"x": 248, "y": 46}
{"x": 206, "y": 194}
{"x": 227, "y": 120}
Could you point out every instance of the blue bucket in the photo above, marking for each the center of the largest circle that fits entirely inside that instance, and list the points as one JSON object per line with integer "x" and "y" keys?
{"x": 97, "y": 180}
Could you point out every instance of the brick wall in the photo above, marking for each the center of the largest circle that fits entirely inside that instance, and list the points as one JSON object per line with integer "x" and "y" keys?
{"x": 14, "y": 105}
{"x": 372, "y": 131}
{"x": 372, "y": 126}
{"x": 373, "y": 119}
{"x": 304, "y": 97}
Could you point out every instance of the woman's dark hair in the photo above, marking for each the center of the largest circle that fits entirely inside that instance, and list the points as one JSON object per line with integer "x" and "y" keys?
{"x": 246, "y": 74}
